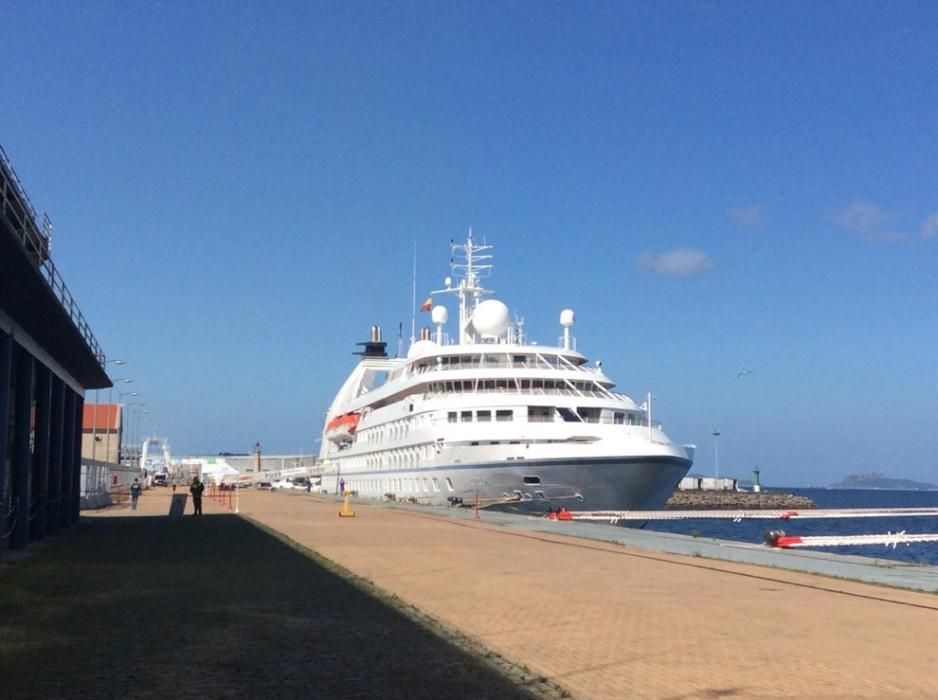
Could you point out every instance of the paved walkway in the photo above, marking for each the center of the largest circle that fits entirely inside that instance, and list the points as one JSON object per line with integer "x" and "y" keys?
{"x": 611, "y": 621}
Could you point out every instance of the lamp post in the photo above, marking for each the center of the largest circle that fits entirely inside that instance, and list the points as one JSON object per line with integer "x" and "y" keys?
{"x": 110, "y": 428}
{"x": 120, "y": 396}
{"x": 716, "y": 456}
{"x": 133, "y": 407}
{"x": 94, "y": 415}
{"x": 138, "y": 412}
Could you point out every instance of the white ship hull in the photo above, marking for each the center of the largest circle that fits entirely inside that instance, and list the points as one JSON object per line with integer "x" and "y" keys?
{"x": 620, "y": 483}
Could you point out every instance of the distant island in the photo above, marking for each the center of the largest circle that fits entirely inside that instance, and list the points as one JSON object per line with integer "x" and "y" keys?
{"x": 875, "y": 480}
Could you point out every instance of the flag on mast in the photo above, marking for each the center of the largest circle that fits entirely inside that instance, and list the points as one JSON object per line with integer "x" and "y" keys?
{"x": 427, "y": 304}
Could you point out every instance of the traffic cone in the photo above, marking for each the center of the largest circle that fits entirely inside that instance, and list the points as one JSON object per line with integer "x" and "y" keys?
{"x": 346, "y": 511}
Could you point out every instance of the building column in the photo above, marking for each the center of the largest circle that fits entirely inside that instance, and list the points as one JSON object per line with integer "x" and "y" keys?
{"x": 6, "y": 398}
{"x": 21, "y": 462}
{"x": 40, "y": 480}
{"x": 68, "y": 457}
{"x": 56, "y": 451}
{"x": 74, "y": 505}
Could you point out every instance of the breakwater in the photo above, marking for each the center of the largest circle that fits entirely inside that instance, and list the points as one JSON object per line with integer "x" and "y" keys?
{"x": 744, "y": 500}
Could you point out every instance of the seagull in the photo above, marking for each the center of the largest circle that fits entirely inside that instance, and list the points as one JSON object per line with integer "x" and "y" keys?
{"x": 743, "y": 373}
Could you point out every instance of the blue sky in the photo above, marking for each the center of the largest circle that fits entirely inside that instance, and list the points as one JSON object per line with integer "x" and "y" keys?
{"x": 237, "y": 189}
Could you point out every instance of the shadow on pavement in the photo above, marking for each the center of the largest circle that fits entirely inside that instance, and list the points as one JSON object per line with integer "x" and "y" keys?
{"x": 214, "y": 607}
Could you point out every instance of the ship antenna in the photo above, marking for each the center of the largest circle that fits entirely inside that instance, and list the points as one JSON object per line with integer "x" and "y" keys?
{"x": 413, "y": 298}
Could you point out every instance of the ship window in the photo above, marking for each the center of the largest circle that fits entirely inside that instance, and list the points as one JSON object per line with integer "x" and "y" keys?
{"x": 525, "y": 383}
{"x": 488, "y": 384}
{"x": 618, "y": 418}
{"x": 466, "y": 416}
{"x": 473, "y": 443}
{"x": 504, "y": 416}
{"x": 449, "y": 484}
{"x": 451, "y": 416}
{"x": 540, "y": 414}
{"x": 568, "y": 415}
{"x": 484, "y": 416}
{"x": 532, "y": 480}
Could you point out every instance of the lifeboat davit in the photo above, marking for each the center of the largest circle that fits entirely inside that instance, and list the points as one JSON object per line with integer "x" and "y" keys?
{"x": 342, "y": 427}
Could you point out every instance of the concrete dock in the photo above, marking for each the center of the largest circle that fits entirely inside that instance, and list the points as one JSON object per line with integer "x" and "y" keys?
{"x": 610, "y": 620}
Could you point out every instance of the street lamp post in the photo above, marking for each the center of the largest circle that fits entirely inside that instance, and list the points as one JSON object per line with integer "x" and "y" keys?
{"x": 138, "y": 412}
{"x": 120, "y": 396}
{"x": 110, "y": 391}
{"x": 94, "y": 415}
{"x": 716, "y": 457}
{"x": 133, "y": 407}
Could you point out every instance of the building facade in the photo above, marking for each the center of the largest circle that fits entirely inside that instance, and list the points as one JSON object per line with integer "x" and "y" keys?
{"x": 49, "y": 358}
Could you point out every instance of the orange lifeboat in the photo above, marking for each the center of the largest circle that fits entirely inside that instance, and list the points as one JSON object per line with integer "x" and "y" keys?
{"x": 343, "y": 427}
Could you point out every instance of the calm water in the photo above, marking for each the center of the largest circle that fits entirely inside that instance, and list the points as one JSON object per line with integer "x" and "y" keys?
{"x": 753, "y": 530}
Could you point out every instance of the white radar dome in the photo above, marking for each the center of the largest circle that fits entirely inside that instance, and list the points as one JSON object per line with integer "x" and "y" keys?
{"x": 439, "y": 314}
{"x": 491, "y": 318}
{"x": 420, "y": 348}
{"x": 567, "y": 317}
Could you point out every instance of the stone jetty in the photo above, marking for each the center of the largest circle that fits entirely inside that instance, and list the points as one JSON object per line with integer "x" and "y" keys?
{"x": 698, "y": 499}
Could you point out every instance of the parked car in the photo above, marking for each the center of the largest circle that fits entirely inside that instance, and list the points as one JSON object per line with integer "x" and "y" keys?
{"x": 161, "y": 479}
{"x": 286, "y": 485}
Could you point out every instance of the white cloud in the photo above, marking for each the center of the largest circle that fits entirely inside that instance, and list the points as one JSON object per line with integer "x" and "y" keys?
{"x": 747, "y": 217}
{"x": 682, "y": 262}
{"x": 864, "y": 218}
{"x": 930, "y": 226}
{"x": 869, "y": 222}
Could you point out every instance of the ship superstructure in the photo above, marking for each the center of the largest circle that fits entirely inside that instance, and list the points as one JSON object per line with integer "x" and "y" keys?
{"x": 492, "y": 418}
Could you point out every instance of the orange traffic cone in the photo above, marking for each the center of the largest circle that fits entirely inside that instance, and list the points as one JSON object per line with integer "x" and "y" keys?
{"x": 346, "y": 511}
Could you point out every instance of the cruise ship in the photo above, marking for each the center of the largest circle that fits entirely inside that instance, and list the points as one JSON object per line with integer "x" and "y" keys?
{"x": 491, "y": 419}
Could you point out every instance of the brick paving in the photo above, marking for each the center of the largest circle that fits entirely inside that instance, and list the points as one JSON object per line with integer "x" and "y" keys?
{"x": 608, "y": 621}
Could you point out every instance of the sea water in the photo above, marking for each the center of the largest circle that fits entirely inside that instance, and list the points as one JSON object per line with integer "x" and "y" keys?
{"x": 754, "y": 530}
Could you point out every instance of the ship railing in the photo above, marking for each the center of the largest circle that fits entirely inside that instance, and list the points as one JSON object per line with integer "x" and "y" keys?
{"x": 501, "y": 360}
{"x": 554, "y": 418}
{"x": 512, "y": 390}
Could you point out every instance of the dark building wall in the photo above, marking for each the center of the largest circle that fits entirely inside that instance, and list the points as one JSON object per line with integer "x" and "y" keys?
{"x": 40, "y": 465}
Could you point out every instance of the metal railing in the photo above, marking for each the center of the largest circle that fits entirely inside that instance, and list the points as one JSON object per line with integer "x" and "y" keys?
{"x": 36, "y": 241}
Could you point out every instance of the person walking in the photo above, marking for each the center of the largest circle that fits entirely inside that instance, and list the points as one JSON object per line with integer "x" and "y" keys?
{"x": 134, "y": 494}
{"x": 196, "y": 490}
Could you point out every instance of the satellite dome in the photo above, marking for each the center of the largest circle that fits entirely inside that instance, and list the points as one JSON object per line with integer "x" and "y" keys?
{"x": 439, "y": 314}
{"x": 567, "y": 318}
{"x": 420, "y": 348}
{"x": 491, "y": 318}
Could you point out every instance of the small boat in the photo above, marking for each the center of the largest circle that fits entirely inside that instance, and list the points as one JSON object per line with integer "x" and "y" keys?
{"x": 342, "y": 428}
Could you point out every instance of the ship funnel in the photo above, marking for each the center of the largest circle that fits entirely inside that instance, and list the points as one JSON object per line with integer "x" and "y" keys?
{"x": 425, "y": 334}
{"x": 375, "y": 347}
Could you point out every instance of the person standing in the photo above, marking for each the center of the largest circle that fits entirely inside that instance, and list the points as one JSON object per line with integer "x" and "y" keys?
{"x": 134, "y": 494}
{"x": 342, "y": 487}
{"x": 196, "y": 490}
